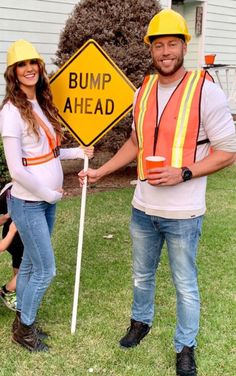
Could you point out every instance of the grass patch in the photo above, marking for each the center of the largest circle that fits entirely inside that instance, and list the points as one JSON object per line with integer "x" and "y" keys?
{"x": 106, "y": 293}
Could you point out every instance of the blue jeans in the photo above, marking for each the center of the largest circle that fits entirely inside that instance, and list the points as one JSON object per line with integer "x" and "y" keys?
{"x": 181, "y": 236}
{"x": 34, "y": 221}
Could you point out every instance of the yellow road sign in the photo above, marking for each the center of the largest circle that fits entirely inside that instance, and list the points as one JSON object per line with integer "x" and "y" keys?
{"x": 91, "y": 93}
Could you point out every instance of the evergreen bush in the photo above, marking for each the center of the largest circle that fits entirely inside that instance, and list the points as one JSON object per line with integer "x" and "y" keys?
{"x": 118, "y": 26}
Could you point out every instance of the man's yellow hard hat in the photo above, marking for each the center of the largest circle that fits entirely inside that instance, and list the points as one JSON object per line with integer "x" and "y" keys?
{"x": 21, "y": 50}
{"x": 167, "y": 22}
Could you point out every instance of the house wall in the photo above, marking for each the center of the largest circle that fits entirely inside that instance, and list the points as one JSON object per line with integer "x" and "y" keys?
{"x": 165, "y": 3}
{"x": 38, "y": 21}
{"x": 41, "y": 21}
{"x": 220, "y": 37}
{"x": 194, "y": 57}
{"x": 219, "y": 30}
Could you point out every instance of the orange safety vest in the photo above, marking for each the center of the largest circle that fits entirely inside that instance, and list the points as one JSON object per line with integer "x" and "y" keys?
{"x": 175, "y": 135}
{"x": 54, "y": 145}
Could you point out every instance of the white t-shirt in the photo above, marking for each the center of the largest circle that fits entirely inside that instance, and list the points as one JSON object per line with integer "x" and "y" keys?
{"x": 38, "y": 182}
{"x": 187, "y": 199}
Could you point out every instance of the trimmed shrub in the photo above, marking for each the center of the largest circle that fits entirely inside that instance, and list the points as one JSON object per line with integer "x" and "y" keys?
{"x": 118, "y": 26}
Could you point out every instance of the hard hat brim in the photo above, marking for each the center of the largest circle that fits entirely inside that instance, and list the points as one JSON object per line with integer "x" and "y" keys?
{"x": 187, "y": 37}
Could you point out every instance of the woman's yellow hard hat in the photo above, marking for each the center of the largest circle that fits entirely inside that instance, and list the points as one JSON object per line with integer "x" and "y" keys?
{"x": 21, "y": 50}
{"x": 167, "y": 22}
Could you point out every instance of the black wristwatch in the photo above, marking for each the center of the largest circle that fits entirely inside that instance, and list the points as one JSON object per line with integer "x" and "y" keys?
{"x": 186, "y": 173}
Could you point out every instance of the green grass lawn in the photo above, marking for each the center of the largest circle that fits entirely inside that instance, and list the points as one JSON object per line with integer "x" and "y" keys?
{"x": 106, "y": 293}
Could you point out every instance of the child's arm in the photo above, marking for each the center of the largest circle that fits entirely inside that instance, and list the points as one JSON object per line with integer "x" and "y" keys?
{"x": 4, "y": 243}
{"x": 4, "y": 218}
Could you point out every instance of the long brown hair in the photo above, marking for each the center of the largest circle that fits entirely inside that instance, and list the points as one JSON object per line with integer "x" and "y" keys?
{"x": 18, "y": 98}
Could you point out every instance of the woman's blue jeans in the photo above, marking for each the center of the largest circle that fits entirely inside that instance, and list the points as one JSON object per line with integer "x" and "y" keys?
{"x": 181, "y": 236}
{"x": 34, "y": 221}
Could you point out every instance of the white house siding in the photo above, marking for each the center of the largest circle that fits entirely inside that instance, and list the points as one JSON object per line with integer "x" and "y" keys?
{"x": 220, "y": 39}
{"x": 193, "y": 58}
{"x": 41, "y": 21}
{"x": 38, "y": 21}
{"x": 165, "y": 3}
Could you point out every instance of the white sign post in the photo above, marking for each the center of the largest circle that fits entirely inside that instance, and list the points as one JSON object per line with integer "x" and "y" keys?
{"x": 91, "y": 98}
{"x": 79, "y": 250}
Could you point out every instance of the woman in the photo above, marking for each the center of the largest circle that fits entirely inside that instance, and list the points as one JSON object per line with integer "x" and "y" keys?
{"x": 31, "y": 135}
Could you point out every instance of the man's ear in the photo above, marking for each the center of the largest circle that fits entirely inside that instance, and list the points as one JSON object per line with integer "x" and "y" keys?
{"x": 185, "y": 49}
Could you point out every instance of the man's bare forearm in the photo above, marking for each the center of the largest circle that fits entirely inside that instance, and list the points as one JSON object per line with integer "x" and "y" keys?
{"x": 212, "y": 163}
{"x": 126, "y": 154}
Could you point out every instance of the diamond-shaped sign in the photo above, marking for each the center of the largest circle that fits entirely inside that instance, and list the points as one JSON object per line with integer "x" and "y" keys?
{"x": 91, "y": 93}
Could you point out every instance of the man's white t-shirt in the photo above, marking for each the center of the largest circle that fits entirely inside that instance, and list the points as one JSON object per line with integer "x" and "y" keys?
{"x": 187, "y": 199}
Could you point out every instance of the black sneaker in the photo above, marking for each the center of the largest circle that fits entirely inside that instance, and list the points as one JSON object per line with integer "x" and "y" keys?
{"x": 185, "y": 362}
{"x": 135, "y": 333}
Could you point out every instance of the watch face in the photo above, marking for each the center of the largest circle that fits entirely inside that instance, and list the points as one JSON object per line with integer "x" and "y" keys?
{"x": 186, "y": 174}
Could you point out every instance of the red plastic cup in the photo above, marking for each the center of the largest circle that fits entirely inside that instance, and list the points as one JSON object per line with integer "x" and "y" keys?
{"x": 154, "y": 161}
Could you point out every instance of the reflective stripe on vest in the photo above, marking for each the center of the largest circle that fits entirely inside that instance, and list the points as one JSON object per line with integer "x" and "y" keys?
{"x": 150, "y": 85}
{"x": 54, "y": 145}
{"x": 183, "y": 119}
{"x": 175, "y": 136}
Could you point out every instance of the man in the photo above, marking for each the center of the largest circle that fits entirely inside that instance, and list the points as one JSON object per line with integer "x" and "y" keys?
{"x": 169, "y": 202}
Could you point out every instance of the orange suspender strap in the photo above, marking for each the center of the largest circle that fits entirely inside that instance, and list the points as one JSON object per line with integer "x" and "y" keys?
{"x": 53, "y": 144}
{"x": 49, "y": 135}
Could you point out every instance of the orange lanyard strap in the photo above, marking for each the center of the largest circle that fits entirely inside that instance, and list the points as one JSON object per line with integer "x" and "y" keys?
{"x": 53, "y": 144}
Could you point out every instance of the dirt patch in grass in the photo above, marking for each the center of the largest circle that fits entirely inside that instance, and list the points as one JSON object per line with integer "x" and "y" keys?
{"x": 125, "y": 177}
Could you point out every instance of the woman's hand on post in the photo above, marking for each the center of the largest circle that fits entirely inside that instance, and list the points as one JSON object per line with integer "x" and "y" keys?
{"x": 89, "y": 151}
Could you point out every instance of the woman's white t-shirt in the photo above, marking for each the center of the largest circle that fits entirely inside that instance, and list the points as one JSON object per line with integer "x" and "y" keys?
{"x": 38, "y": 182}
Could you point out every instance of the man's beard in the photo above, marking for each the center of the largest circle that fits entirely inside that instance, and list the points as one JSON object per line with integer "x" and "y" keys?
{"x": 176, "y": 67}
